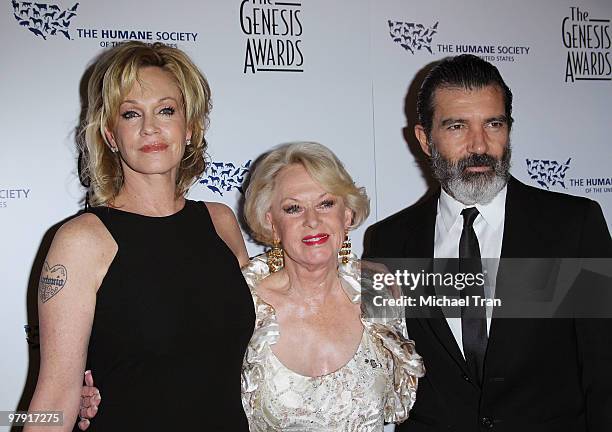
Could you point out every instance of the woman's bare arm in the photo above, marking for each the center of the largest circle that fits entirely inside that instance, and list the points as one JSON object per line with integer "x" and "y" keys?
{"x": 227, "y": 228}
{"x": 73, "y": 270}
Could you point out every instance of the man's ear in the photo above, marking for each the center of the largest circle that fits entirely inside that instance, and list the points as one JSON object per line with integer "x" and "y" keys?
{"x": 421, "y": 135}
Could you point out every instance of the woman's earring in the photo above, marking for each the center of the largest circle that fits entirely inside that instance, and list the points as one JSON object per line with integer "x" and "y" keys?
{"x": 275, "y": 255}
{"x": 345, "y": 251}
{"x": 114, "y": 149}
{"x": 188, "y": 142}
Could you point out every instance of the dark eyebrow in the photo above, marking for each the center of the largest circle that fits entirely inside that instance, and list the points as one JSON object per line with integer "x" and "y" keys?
{"x": 501, "y": 118}
{"x": 451, "y": 120}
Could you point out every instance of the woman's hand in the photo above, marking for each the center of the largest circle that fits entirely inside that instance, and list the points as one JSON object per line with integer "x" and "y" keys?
{"x": 90, "y": 399}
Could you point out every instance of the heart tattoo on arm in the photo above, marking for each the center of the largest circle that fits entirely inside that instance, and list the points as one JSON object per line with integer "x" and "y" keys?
{"x": 52, "y": 280}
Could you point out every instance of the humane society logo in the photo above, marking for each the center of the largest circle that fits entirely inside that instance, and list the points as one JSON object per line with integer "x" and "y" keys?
{"x": 13, "y": 194}
{"x": 47, "y": 20}
{"x": 225, "y": 176}
{"x": 44, "y": 19}
{"x": 548, "y": 173}
{"x": 414, "y": 37}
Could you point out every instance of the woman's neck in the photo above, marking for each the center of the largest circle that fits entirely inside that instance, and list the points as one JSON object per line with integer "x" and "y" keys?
{"x": 149, "y": 195}
{"x": 312, "y": 284}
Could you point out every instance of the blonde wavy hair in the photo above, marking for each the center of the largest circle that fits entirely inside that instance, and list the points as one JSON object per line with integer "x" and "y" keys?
{"x": 322, "y": 165}
{"x": 113, "y": 76}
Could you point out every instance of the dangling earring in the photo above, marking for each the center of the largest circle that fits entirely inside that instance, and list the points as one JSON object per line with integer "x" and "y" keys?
{"x": 188, "y": 142}
{"x": 345, "y": 251}
{"x": 276, "y": 258}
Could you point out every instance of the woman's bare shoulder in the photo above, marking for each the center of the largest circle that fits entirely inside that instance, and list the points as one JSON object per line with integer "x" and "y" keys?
{"x": 84, "y": 239}
{"x": 86, "y": 229}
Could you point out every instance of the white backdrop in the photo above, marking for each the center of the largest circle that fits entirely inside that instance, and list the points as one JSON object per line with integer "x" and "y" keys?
{"x": 347, "y": 82}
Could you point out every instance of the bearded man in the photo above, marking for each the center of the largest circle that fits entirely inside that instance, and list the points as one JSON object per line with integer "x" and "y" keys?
{"x": 485, "y": 372}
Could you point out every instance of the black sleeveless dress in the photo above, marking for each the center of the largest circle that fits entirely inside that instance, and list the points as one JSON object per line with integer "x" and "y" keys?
{"x": 172, "y": 322}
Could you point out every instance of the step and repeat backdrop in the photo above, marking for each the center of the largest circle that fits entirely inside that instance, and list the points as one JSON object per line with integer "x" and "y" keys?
{"x": 344, "y": 73}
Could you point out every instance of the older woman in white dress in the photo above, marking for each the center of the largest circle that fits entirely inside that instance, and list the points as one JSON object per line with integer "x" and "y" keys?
{"x": 315, "y": 363}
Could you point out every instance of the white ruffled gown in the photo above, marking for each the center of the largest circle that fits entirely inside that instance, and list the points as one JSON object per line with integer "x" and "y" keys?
{"x": 377, "y": 385}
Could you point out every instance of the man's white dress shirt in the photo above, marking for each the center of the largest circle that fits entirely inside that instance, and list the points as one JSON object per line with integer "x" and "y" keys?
{"x": 489, "y": 228}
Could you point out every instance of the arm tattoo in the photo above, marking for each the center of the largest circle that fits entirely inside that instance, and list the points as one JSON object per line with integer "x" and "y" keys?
{"x": 52, "y": 280}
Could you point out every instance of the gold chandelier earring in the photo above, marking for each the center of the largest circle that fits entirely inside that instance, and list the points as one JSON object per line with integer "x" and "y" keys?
{"x": 276, "y": 257}
{"x": 345, "y": 251}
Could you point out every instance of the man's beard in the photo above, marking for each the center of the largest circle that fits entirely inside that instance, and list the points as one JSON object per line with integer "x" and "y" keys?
{"x": 471, "y": 187}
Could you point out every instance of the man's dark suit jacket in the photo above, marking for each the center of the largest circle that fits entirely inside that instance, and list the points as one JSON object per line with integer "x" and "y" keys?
{"x": 540, "y": 374}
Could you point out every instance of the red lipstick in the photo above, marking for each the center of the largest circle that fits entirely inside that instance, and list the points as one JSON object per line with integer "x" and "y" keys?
{"x": 316, "y": 239}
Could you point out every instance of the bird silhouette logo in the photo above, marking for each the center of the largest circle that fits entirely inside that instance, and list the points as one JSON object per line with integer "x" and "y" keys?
{"x": 547, "y": 173}
{"x": 44, "y": 19}
{"x": 225, "y": 176}
{"x": 412, "y": 36}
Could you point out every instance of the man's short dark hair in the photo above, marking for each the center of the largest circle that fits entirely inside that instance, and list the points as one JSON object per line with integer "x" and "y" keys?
{"x": 464, "y": 71}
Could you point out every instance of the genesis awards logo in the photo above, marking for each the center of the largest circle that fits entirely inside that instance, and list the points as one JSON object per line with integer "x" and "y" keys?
{"x": 273, "y": 31}
{"x": 588, "y": 45}
{"x": 412, "y": 36}
{"x": 549, "y": 174}
{"x": 225, "y": 176}
{"x": 44, "y": 19}
{"x": 416, "y": 37}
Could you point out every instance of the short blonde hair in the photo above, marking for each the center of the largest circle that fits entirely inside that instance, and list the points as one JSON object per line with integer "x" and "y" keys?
{"x": 322, "y": 165}
{"x": 113, "y": 76}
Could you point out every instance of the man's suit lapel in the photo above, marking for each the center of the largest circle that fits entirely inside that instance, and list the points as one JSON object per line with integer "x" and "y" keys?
{"x": 441, "y": 330}
{"x": 517, "y": 220}
{"x": 421, "y": 229}
{"x": 419, "y": 245}
{"x": 520, "y": 226}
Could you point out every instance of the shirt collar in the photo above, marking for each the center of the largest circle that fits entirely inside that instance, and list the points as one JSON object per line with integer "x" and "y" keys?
{"x": 492, "y": 212}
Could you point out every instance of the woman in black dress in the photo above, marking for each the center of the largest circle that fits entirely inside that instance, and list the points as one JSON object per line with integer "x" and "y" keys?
{"x": 146, "y": 288}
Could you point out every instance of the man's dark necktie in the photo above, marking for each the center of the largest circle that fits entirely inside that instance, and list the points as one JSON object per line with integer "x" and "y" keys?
{"x": 473, "y": 317}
